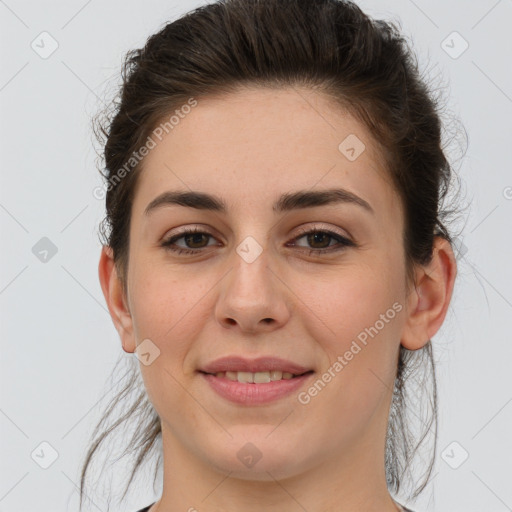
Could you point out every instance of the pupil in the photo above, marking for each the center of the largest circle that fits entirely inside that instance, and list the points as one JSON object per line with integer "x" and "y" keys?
{"x": 195, "y": 237}
{"x": 312, "y": 238}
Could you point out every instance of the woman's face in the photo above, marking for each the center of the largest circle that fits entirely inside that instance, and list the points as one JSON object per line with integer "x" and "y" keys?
{"x": 253, "y": 285}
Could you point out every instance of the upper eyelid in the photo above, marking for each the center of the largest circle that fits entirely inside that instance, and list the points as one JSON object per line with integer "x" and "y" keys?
{"x": 302, "y": 231}
{"x": 315, "y": 227}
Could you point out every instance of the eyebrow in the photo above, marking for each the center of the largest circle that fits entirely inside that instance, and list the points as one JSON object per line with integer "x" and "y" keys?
{"x": 287, "y": 202}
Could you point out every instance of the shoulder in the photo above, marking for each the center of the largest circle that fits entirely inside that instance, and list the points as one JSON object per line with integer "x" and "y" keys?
{"x": 404, "y": 509}
{"x": 146, "y": 509}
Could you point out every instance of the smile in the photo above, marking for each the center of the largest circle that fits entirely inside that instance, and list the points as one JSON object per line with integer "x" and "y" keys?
{"x": 258, "y": 377}
{"x": 250, "y": 389}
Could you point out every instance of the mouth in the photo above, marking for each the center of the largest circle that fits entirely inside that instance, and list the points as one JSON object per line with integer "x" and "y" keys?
{"x": 251, "y": 389}
{"x": 254, "y": 382}
{"x": 262, "y": 377}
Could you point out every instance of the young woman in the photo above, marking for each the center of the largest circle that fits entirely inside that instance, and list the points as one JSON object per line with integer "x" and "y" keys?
{"x": 275, "y": 254}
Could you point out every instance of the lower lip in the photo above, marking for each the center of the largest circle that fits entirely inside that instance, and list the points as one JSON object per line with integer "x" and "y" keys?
{"x": 252, "y": 394}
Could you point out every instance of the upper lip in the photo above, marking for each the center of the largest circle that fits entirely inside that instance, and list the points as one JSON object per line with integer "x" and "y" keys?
{"x": 261, "y": 364}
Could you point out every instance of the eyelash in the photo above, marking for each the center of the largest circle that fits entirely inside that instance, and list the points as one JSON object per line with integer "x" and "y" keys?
{"x": 344, "y": 242}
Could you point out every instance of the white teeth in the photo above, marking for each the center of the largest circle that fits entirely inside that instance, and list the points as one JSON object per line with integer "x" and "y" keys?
{"x": 256, "y": 378}
{"x": 262, "y": 377}
{"x": 245, "y": 377}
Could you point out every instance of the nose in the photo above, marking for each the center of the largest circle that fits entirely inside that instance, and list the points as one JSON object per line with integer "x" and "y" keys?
{"x": 252, "y": 297}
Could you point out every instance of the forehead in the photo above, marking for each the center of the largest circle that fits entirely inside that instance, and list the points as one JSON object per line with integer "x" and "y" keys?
{"x": 251, "y": 146}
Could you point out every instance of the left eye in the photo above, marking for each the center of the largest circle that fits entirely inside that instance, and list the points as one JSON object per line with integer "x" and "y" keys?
{"x": 315, "y": 236}
{"x": 195, "y": 237}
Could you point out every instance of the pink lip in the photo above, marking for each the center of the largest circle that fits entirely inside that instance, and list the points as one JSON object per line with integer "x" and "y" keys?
{"x": 254, "y": 394}
{"x": 261, "y": 364}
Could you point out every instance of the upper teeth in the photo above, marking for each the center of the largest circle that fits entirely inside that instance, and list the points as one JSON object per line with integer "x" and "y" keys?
{"x": 257, "y": 378}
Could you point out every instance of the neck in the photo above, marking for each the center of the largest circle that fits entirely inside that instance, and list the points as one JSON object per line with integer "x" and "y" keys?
{"x": 340, "y": 482}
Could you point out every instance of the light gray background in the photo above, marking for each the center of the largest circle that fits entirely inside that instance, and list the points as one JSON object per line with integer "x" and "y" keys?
{"x": 58, "y": 344}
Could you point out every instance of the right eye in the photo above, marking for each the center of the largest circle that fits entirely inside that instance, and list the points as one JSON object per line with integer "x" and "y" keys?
{"x": 191, "y": 236}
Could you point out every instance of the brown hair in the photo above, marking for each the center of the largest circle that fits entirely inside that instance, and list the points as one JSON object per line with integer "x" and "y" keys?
{"x": 327, "y": 45}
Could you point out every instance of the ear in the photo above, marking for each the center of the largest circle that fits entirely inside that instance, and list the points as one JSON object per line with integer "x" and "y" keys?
{"x": 115, "y": 298}
{"x": 428, "y": 302}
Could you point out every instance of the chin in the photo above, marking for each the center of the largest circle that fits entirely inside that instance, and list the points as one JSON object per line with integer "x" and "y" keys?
{"x": 259, "y": 456}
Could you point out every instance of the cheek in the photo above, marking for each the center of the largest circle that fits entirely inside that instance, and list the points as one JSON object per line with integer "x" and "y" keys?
{"x": 168, "y": 311}
{"x": 363, "y": 311}
{"x": 167, "y": 307}
{"x": 353, "y": 301}
{"x": 360, "y": 357}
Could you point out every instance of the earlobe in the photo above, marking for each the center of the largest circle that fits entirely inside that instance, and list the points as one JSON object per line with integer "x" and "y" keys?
{"x": 115, "y": 298}
{"x": 428, "y": 303}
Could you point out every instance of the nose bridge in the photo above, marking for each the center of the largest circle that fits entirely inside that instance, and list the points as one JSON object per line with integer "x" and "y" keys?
{"x": 251, "y": 294}
{"x": 250, "y": 277}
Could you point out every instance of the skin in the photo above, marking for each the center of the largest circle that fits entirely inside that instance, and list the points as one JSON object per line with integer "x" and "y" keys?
{"x": 250, "y": 147}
